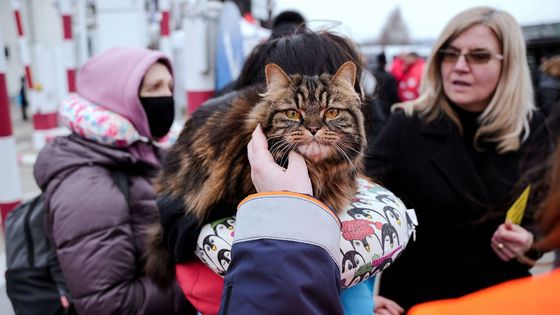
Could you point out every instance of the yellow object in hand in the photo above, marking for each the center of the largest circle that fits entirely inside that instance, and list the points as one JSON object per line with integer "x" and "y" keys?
{"x": 517, "y": 210}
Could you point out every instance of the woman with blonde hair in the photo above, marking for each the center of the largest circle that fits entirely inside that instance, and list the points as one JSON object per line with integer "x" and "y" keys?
{"x": 456, "y": 155}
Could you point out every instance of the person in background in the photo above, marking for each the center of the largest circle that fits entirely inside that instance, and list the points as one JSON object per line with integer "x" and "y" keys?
{"x": 386, "y": 85}
{"x": 457, "y": 156}
{"x": 548, "y": 92}
{"x": 287, "y": 22}
{"x": 124, "y": 104}
{"x": 407, "y": 70}
{"x": 536, "y": 295}
{"x": 23, "y": 99}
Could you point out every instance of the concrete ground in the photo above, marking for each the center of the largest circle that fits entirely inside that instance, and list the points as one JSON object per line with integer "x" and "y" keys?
{"x": 22, "y": 132}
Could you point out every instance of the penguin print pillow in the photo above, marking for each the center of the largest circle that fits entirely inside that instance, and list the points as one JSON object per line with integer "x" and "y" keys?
{"x": 376, "y": 227}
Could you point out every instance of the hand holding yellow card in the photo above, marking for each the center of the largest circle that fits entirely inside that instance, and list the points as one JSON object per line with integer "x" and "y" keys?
{"x": 517, "y": 210}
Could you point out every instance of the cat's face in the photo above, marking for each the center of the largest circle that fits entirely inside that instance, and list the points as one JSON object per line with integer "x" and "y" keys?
{"x": 317, "y": 116}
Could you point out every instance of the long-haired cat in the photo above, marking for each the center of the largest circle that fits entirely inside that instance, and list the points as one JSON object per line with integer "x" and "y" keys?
{"x": 317, "y": 116}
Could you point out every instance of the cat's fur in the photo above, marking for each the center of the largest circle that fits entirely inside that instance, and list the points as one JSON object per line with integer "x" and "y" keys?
{"x": 208, "y": 166}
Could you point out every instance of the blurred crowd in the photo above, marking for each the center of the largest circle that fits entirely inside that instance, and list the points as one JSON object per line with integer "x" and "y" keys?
{"x": 463, "y": 136}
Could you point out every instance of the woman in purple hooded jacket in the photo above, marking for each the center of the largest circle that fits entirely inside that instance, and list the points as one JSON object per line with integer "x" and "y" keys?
{"x": 124, "y": 102}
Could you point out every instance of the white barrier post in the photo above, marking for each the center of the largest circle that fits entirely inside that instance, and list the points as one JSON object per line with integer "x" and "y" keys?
{"x": 199, "y": 56}
{"x": 44, "y": 121}
{"x": 165, "y": 44}
{"x": 68, "y": 44}
{"x": 10, "y": 186}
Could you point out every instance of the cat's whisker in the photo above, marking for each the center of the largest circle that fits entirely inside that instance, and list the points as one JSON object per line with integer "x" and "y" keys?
{"x": 275, "y": 137}
{"x": 274, "y": 147}
{"x": 345, "y": 156}
{"x": 279, "y": 149}
{"x": 285, "y": 153}
{"x": 277, "y": 145}
{"x": 348, "y": 147}
{"x": 345, "y": 146}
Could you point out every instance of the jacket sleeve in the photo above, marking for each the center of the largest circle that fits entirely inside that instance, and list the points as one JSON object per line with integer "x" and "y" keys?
{"x": 92, "y": 234}
{"x": 284, "y": 257}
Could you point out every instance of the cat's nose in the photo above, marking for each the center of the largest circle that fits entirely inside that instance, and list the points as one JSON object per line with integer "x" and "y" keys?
{"x": 313, "y": 129}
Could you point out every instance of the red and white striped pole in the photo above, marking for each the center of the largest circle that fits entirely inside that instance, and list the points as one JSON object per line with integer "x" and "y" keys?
{"x": 45, "y": 122}
{"x": 165, "y": 29}
{"x": 68, "y": 44}
{"x": 199, "y": 71}
{"x": 10, "y": 186}
{"x": 22, "y": 43}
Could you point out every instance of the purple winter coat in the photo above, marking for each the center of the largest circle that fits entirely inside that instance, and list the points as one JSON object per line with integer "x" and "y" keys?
{"x": 98, "y": 236}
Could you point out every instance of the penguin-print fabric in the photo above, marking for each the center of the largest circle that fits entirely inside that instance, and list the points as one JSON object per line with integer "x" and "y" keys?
{"x": 375, "y": 230}
{"x": 376, "y": 227}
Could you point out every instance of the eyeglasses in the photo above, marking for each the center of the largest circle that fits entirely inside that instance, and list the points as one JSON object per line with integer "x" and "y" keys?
{"x": 473, "y": 57}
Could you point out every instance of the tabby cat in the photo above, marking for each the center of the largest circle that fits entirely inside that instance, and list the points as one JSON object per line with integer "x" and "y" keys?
{"x": 317, "y": 116}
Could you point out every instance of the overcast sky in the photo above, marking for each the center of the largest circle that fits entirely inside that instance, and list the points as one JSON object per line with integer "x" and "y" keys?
{"x": 364, "y": 19}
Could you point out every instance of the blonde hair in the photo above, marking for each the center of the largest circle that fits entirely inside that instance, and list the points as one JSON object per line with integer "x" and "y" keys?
{"x": 507, "y": 115}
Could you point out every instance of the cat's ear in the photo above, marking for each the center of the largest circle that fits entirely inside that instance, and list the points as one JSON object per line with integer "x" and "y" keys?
{"x": 346, "y": 74}
{"x": 276, "y": 78}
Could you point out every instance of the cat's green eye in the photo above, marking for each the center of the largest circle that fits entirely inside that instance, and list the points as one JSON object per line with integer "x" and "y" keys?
{"x": 293, "y": 114}
{"x": 331, "y": 113}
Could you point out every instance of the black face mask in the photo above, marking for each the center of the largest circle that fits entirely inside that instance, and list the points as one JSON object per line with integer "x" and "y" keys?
{"x": 160, "y": 111}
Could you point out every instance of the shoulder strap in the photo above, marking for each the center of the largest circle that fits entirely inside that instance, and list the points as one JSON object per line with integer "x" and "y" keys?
{"x": 121, "y": 180}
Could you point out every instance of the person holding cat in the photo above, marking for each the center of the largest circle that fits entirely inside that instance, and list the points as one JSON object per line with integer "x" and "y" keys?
{"x": 282, "y": 192}
{"x": 124, "y": 103}
{"x": 292, "y": 187}
{"x": 457, "y": 155}
{"x": 296, "y": 100}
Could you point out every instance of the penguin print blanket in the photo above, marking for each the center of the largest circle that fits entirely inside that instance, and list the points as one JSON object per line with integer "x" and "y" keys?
{"x": 376, "y": 227}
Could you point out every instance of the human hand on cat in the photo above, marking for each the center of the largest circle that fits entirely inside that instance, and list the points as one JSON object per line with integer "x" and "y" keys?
{"x": 269, "y": 176}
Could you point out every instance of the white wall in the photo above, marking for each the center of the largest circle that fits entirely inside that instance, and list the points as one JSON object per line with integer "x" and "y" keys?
{"x": 120, "y": 23}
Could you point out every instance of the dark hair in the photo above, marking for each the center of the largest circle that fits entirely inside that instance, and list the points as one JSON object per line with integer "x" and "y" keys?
{"x": 413, "y": 54}
{"x": 381, "y": 59}
{"x": 549, "y": 215}
{"x": 305, "y": 52}
{"x": 288, "y": 17}
{"x": 287, "y": 22}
